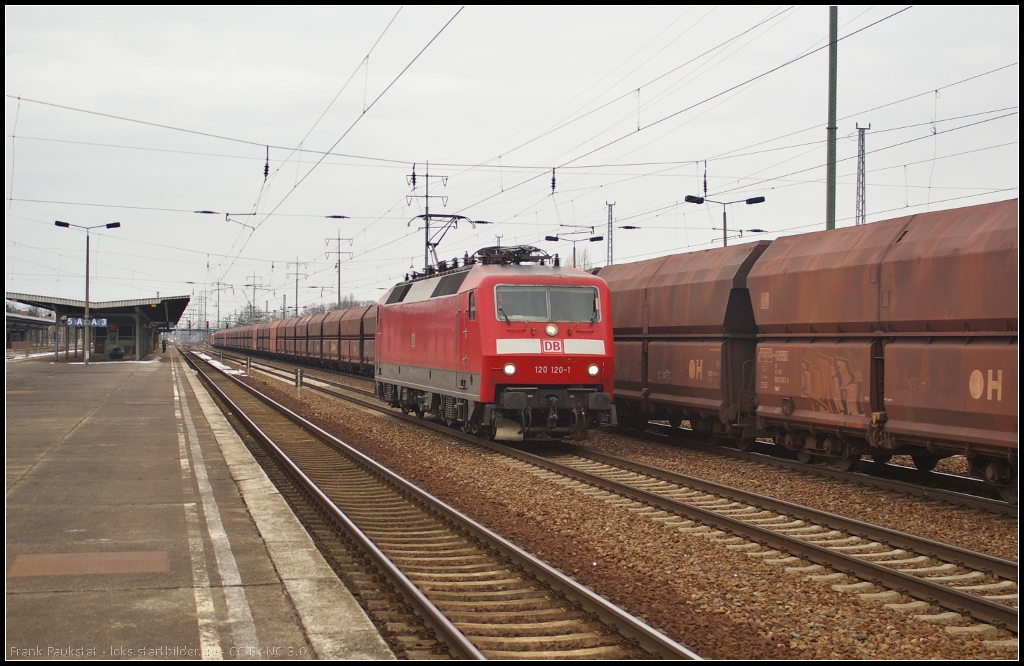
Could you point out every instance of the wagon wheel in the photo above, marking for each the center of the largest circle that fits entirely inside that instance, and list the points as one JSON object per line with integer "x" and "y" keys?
{"x": 804, "y": 456}
{"x": 881, "y": 458}
{"x": 925, "y": 463}
{"x": 846, "y": 463}
{"x": 675, "y": 421}
{"x": 1008, "y": 493}
{"x": 744, "y": 443}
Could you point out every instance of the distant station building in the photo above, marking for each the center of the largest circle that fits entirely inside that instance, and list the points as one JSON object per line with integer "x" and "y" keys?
{"x": 25, "y": 331}
{"x": 128, "y": 329}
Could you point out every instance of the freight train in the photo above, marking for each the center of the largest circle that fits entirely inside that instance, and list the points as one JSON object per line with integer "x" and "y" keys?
{"x": 898, "y": 337}
{"x": 509, "y": 345}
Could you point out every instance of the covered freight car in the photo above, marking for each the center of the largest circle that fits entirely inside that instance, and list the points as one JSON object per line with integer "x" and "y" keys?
{"x": 685, "y": 338}
{"x": 898, "y": 337}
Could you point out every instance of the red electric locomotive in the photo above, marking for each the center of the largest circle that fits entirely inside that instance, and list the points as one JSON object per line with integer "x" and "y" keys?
{"x": 509, "y": 345}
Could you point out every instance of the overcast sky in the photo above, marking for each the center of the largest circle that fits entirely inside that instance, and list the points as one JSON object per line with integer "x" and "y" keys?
{"x": 493, "y": 98}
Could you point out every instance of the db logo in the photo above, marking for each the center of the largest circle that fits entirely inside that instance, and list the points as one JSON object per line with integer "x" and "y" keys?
{"x": 551, "y": 347}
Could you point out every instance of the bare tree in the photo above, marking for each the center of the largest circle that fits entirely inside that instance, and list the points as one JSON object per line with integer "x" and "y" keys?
{"x": 349, "y": 302}
{"x": 314, "y": 309}
{"x": 583, "y": 261}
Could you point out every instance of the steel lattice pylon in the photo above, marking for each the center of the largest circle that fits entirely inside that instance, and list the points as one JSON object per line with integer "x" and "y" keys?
{"x": 862, "y": 213}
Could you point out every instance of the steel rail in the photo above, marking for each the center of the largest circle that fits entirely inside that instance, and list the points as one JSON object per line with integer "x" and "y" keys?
{"x": 282, "y": 372}
{"x": 981, "y": 561}
{"x": 647, "y": 637}
{"x": 445, "y": 630}
{"x": 947, "y": 597}
{"x": 921, "y": 588}
{"x": 663, "y": 433}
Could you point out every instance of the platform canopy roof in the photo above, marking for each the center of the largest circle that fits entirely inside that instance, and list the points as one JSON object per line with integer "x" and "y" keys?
{"x": 160, "y": 313}
{"x": 20, "y": 321}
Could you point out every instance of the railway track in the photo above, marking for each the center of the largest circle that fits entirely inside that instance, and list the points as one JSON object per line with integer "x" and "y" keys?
{"x": 949, "y": 488}
{"x": 952, "y": 489}
{"x": 976, "y": 584}
{"x": 478, "y": 593}
{"x": 915, "y": 574}
{"x": 263, "y": 365}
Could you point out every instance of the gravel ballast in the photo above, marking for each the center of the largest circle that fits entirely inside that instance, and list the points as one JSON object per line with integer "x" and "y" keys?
{"x": 717, "y": 601}
{"x": 960, "y": 526}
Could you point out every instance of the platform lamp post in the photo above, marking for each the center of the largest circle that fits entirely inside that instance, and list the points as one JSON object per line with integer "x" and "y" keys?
{"x": 555, "y": 239}
{"x": 699, "y": 200}
{"x": 86, "y": 328}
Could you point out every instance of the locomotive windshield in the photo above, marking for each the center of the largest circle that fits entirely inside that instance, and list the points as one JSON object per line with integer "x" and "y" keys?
{"x": 546, "y": 303}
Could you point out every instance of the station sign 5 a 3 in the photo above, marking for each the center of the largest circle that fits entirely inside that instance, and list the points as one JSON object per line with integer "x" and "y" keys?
{"x": 94, "y": 322}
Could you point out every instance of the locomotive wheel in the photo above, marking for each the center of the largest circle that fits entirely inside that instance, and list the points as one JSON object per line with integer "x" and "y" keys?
{"x": 881, "y": 458}
{"x": 925, "y": 463}
{"x": 482, "y": 431}
{"x": 804, "y": 456}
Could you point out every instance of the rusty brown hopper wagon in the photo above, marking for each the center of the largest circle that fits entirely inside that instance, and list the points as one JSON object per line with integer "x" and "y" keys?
{"x": 895, "y": 337}
{"x": 900, "y": 333}
{"x": 685, "y": 338}
{"x": 329, "y": 345}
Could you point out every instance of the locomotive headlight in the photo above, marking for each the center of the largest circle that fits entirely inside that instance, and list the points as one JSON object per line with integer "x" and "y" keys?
{"x": 592, "y": 370}
{"x": 510, "y": 369}
{"x": 551, "y": 330}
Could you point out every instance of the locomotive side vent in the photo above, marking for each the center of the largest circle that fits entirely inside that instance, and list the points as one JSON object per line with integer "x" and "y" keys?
{"x": 449, "y": 284}
{"x": 398, "y": 294}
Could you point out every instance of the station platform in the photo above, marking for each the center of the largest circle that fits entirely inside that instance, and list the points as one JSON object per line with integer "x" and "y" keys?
{"x": 140, "y": 527}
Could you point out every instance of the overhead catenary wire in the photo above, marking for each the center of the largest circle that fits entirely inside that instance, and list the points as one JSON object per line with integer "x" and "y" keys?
{"x": 362, "y": 63}
{"x": 643, "y": 85}
{"x": 354, "y": 123}
{"x": 398, "y": 163}
{"x": 623, "y": 218}
{"x": 14, "y": 132}
{"x": 873, "y": 151}
{"x": 683, "y": 110}
{"x": 731, "y": 88}
{"x": 567, "y": 188}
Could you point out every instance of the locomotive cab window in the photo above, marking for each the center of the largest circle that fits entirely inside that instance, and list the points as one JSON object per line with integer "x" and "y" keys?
{"x": 544, "y": 303}
{"x": 472, "y": 305}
